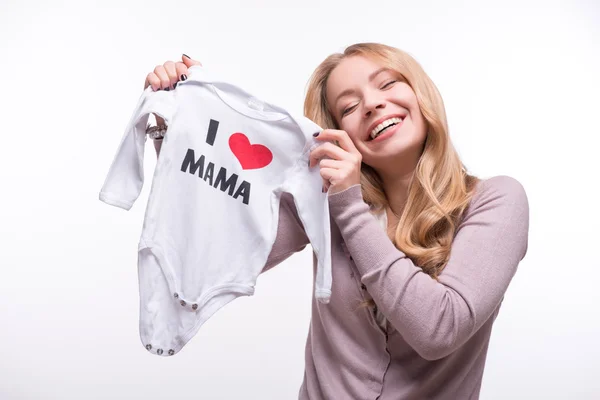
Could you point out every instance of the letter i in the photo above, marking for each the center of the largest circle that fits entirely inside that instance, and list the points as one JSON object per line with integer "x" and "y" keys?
{"x": 212, "y": 131}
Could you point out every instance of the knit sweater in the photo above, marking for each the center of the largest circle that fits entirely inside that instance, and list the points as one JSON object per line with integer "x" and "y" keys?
{"x": 434, "y": 341}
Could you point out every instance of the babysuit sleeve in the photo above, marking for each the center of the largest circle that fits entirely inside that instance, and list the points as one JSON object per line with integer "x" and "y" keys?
{"x": 125, "y": 178}
{"x": 291, "y": 237}
{"x": 312, "y": 206}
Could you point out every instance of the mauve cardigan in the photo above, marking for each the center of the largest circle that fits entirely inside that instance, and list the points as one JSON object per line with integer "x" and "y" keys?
{"x": 438, "y": 332}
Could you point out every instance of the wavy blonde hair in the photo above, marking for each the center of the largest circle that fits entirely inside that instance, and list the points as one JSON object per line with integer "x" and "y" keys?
{"x": 440, "y": 189}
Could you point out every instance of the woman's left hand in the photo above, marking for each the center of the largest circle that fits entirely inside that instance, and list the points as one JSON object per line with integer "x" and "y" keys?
{"x": 343, "y": 169}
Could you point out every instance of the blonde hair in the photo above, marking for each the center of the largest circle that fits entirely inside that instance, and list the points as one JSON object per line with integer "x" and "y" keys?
{"x": 440, "y": 189}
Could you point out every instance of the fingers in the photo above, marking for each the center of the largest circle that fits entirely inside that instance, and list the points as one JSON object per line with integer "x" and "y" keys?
{"x": 152, "y": 80}
{"x": 342, "y": 167}
{"x": 335, "y": 164}
{"x": 181, "y": 69}
{"x": 333, "y": 169}
{"x": 341, "y": 138}
{"x": 328, "y": 171}
{"x": 188, "y": 61}
{"x": 171, "y": 74}
{"x": 158, "y": 79}
{"x": 327, "y": 174}
{"x": 163, "y": 76}
{"x": 166, "y": 76}
{"x": 327, "y": 149}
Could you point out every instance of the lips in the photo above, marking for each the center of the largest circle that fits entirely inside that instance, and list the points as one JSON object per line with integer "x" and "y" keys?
{"x": 380, "y": 120}
{"x": 387, "y": 133}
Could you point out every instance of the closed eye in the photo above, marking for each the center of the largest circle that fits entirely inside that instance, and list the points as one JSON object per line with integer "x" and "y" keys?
{"x": 345, "y": 111}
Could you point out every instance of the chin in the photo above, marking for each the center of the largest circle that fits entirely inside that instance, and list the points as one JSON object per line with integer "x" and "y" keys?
{"x": 391, "y": 148}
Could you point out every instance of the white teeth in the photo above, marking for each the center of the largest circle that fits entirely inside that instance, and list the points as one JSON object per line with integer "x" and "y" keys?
{"x": 375, "y": 132}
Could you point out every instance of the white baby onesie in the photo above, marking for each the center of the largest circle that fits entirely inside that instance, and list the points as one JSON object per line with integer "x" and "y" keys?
{"x": 212, "y": 211}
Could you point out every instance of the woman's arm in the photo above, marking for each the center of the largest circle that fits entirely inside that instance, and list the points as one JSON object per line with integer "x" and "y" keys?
{"x": 436, "y": 318}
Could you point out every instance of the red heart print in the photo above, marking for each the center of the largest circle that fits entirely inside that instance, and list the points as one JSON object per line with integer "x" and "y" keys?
{"x": 250, "y": 156}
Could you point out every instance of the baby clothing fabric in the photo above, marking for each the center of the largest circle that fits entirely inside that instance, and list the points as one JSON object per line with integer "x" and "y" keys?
{"x": 212, "y": 213}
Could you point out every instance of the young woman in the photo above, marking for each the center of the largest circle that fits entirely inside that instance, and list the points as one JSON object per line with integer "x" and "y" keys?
{"x": 423, "y": 252}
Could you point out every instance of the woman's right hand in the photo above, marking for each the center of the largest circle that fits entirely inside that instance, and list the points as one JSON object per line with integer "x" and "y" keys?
{"x": 166, "y": 76}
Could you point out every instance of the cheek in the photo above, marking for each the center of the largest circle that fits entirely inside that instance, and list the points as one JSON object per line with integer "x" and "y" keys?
{"x": 419, "y": 121}
{"x": 351, "y": 125}
{"x": 408, "y": 100}
{"x": 352, "y": 135}
{"x": 416, "y": 128}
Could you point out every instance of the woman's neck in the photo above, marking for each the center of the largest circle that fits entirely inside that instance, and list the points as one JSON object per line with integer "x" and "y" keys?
{"x": 396, "y": 192}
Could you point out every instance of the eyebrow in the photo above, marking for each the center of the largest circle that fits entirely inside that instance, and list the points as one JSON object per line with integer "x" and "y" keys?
{"x": 350, "y": 91}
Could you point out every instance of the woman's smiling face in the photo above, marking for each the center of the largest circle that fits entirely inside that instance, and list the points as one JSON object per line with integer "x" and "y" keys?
{"x": 361, "y": 95}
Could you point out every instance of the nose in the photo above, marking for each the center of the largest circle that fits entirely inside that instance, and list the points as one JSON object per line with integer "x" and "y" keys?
{"x": 372, "y": 103}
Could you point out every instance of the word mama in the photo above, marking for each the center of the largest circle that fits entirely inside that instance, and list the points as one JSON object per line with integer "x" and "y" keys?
{"x": 221, "y": 181}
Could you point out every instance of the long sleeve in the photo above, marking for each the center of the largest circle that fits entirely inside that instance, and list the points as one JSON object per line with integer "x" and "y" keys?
{"x": 435, "y": 318}
{"x": 291, "y": 236}
{"x": 313, "y": 210}
{"x": 123, "y": 183}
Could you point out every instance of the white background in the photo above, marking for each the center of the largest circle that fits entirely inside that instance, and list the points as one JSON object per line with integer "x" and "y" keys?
{"x": 521, "y": 85}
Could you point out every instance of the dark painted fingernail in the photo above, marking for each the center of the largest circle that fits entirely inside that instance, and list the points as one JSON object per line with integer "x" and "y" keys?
{"x": 183, "y": 77}
{"x": 175, "y": 85}
{"x": 316, "y": 134}
{"x": 187, "y": 56}
{"x": 167, "y": 89}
